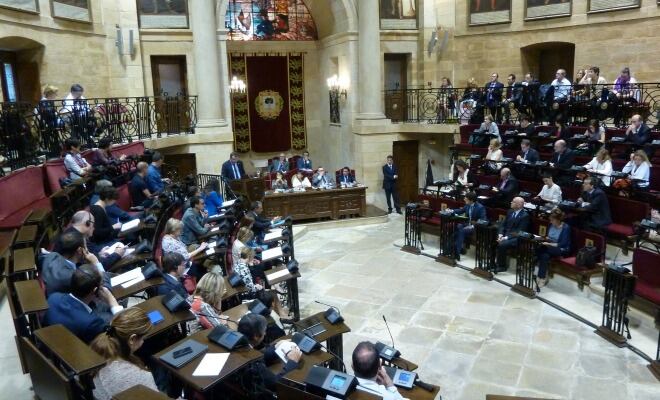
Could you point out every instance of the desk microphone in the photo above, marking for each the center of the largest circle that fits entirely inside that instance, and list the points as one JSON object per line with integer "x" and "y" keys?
{"x": 222, "y": 317}
{"x": 327, "y": 350}
{"x": 386, "y": 352}
{"x": 332, "y": 314}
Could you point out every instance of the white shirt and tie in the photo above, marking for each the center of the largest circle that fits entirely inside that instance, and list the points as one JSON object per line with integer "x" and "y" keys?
{"x": 237, "y": 172}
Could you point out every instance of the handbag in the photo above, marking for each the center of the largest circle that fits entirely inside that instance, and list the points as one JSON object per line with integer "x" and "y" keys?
{"x": 586, "y": 257}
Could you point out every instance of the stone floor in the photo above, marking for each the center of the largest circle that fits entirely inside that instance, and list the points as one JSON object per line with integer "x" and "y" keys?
{"x": 470, "y": 336}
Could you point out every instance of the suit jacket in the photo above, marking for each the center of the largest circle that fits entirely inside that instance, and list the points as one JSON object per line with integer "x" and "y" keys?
{"x": 532, "y": 155}
{"x": 509, "y": 191}
{"x": 529, "y": 131}
{"x": 64, "y": 309}
{"x": 388, "y": 176}
{"x": 599, "y": 207}
{"x": 565, "y": 161}
{"x": 171, "y": 283}
{"x": 302, "y": 164}
{"x": 275, "y": 166}
{"x": 261, "y": 224}
{"x": 478, "y": 212}
{"x": 193, "y": 226}
{"x": 56, "y": 273}
{"x": 348, "y": 179}
{"x": 270, "y": 357}
{"x": 317, "y": 180}
{"x": 564, "y": 134}
{"x": 228, "y": 172}
{"x": 514, "y": 225}
{"x": 643, "y": 135}
{"x": 494, "y": 97}
{"x": 106, "y": 261}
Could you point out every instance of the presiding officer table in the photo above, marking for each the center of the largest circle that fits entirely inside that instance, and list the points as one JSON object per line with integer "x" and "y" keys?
{"x": 316, "y": 203}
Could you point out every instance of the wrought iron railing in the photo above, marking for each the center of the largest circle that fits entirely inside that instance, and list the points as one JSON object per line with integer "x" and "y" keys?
{"x": 469, "y": 105}
{"x": 29, "y": 132}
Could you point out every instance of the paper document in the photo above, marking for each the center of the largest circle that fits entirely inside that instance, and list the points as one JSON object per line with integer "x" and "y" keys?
{"x": 133, "y": 281}
{"x": 129, "y": 251}
{"x": 134, "y": 223}
{"x": 210, "y": 251}
{"x": 273, "y": 235}
{"x": 215, "y": 229}
{"x": 228, "y": 203}
{"x": 277, "y": 274}
{"x": 211, "y": 245}
{"x": 283, "y": 347}
{"x": 271, "y": 253}
{"x": 126, "y": 276}
{"x": 211, "y": 364}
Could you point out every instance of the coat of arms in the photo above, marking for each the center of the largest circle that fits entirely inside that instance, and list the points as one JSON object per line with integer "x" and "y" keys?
{"x": 269, "y": 104}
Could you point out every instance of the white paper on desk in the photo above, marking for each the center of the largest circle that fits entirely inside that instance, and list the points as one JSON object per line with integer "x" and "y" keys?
{"x": 211, "y": 364}
{"x": 129, "y": 251}
{"x": 111, "y": 249}
{"x": 133, "y": 281}
{"x": 126, "y": 277}
{"x": 210, "y": 251}
{"x": 278, "y": 274}
{"x": 215, "y": 229}
{"x": 273, "y": 235}
{"x": 228, "y": 203}
{"x": 482, "y": 197}
{"x": 271, "y": 253}
{"x": 130, "y": 225}
{"x": 211, "y": 245}
{"x": 282, "y": 348}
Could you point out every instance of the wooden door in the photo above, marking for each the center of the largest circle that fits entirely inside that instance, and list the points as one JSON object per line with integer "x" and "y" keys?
{"x": 8, "y": 76}
{"x": 184, "y": 164}
{"x": 406, "y": 157}
{"x": 170, "y": 83}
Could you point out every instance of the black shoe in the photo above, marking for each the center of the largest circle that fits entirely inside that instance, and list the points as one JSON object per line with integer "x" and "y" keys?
{"x": 398, "y": 211}
{"x": 389, "y": 211}
{"x": 458, "y": 257}
{"x": 463, "y": 251}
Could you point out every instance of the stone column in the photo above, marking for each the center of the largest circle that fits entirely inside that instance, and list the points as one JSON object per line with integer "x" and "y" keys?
{"x": 370, "y": 76}
{"x": 208, "y": 73}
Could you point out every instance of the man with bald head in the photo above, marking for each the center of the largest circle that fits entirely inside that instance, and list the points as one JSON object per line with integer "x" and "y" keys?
{"x": 280, "y": 165}
{"x": 638, "y": 132}
{"x": 562, "y": 86}
{"x": 372, "y": 377}
{"x": 517, "y": 220}
{"x": 141, "y": 196}
{"x": 505, "y": 190}
{"x": 563, "y": 159}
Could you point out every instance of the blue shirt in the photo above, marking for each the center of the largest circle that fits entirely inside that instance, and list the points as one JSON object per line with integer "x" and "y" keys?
{"x": 212, "y": 202}
{"x": 154, "y": 179}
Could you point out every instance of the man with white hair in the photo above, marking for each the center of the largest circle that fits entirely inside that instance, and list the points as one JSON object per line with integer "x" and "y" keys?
{"x": 517, "y": 220}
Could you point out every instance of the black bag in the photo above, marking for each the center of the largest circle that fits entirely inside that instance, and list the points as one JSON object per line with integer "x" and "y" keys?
{"x": 586, "y": 257}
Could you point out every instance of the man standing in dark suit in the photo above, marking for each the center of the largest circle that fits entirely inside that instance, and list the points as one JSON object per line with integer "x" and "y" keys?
{"x": 494, "y": 90}
{"x": 527, "y": 153}
{"x": 232, "y": 169}
{"x": 507, "y": 188}
{"x": 517, "y": 220}
{"x": 474, "y": 211}
{"x": 390, "y": 176}
{"x": 563, "y": 159}
{"x": 595, "y": 201}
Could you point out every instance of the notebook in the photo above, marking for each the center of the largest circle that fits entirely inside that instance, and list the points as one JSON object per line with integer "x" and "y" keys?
{"x": 184, "y": 353}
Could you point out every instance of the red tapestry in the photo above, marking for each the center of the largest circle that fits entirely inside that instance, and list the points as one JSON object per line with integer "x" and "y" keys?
{"x": 270, "y": 117}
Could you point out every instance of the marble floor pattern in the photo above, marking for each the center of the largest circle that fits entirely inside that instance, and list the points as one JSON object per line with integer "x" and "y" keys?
{"x": 470, "y": 336}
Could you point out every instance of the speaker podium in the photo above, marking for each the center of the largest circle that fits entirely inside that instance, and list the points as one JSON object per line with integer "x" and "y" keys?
{"x": 252, "y": 189}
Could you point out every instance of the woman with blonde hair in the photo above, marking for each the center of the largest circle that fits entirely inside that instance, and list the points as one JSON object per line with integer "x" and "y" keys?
{"x": 122, "y": 338}
{"x": 638, "y": 169}
{"x": 206, "y": 302}
{"x": 601, "y": 164}
{"x": 494, "y": 154}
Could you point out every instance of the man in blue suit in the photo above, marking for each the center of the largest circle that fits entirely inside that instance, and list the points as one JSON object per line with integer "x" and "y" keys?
{"x": 390, "y": 176}
{"x": 474, "y": 211}
{"x": 75, "y": 310}
{"x": 232, "y": 169}
{"x": 517, "y": 220}
{"x": 304, "y": 162}
{"x": 494, "y": 90}
{"x": 346, "y": 179}
{"x": 280, "y": 165}
{"x": 174, "y": 266}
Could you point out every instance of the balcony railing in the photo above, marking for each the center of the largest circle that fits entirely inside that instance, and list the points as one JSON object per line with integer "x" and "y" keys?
{"x": 30, "y": 132}
{"x": 575, "y": 104}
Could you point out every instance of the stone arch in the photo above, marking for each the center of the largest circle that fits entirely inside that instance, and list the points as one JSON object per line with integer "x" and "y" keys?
{"x": 543, "y": 58}
{"x": 28, "y": 57}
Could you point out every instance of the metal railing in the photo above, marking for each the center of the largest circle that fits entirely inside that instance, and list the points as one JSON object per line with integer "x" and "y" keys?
{"x": 575, "y": 104}
{"x": 29, "y": 132}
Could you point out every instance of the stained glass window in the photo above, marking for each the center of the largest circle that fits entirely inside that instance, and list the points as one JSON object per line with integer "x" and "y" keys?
{"x": 269, "y": 20}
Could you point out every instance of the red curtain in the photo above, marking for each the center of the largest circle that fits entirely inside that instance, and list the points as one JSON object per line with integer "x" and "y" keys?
{"x": 268, "y": 87}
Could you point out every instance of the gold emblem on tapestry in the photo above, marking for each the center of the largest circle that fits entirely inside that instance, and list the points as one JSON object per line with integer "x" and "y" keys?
{"x": 269, "y": 104}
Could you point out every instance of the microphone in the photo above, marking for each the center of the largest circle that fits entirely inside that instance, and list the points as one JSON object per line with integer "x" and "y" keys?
{"x": 615, "y": 257}
{"x": 332, "y": 314}
{"x": 327, "y": 350}
{"x": 388, "y": 330}
{"x": 423, "y": 385}
{"x": 221, "y": 317}
{"x": 386, "y": 352}
{"x": 327, "y": 305}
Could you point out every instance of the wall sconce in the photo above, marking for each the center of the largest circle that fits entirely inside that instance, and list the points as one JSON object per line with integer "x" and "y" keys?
{"x": 237, "y": 86}
{"x": 119, "y": 41}
{"x": 338, "y": 85}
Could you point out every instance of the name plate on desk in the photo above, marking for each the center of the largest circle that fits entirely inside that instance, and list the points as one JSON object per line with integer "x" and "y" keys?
{"x": 278, "y": 274}
{"x": 132, "y": 224}
{"x": 275, "y": 234}
{"x": 270, "y": 254}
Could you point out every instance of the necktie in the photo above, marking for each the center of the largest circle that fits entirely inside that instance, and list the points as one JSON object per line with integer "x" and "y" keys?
{"x": 470, "y": 213}
{"x": 237, "y": 175}
{"x": 525, "y": 156}
{"x": 323, "y": 179}
{"x": 558, "y": 157}
{"x": 503, "y": 184}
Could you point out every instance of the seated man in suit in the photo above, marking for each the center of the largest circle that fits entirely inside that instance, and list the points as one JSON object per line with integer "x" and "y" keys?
{"x": 232, "y": 169}
{"x": 261, "y": 224}
{"x": 304, "y": 162}
{"x": 346, "y": 179}
{"x": 527, "y": 153}
{"x": 507, "y": 188}
{"x": 321, "y": 180}
{"x": 638, "y": 132}
{"x": 280, "y": 165}
{"x": 254, "y": 326}
{"x": 595, "y": 200}
{"x": 372, "y": 377}
{"x": 58, "y": 268}
{"x": 474, "y": 211}
{"x": 517, "y": 220}
{"x": 526, "y": 128}
{"x": 74, "y": 310}
{"x": 563, "y": 159}
{"x": 194, "y": 221}
{"x": 174, "y": 266}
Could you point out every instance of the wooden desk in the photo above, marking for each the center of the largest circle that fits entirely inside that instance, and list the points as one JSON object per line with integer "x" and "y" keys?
{"x": 332, "y": 336}
{"x": 120, "y": 292}
{"x": 235, "y": 313}
{"x": 402, "y": 363}
{"x": 38, "y": 216}
{"x": 233, "y": 291}
{"x": 170, "y": 319}
{"x": 130, "y": 260}
{"x": 66, "y": 346}
{"x": 139, "y": 392}
{"x": 310, "y": 204}
{"x": 298, "y": 375}
{"x": 292, "y": 288}
{"x": 24, "y": 262}
{"x": 30, "y": 296}
{"x": 26, "y": 236}
{"x": 237, "y": 360}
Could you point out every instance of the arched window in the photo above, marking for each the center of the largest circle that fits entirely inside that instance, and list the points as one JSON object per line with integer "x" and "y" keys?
{"x": 269, "y": 20}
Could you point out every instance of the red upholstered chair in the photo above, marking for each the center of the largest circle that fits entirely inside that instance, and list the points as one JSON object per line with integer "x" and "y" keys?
{"x": 23, "y": 191}
{"x": 646, "y": 266}
{"x": 293, "y": 161}
{"x": 625, "y": 213}
{"x": 124, "y": 201}
{"x": 130, "y": 149}
{"x": 567, "y": 265}
{"x": 540, "y": 226}
{"x": 54, "y": 171}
